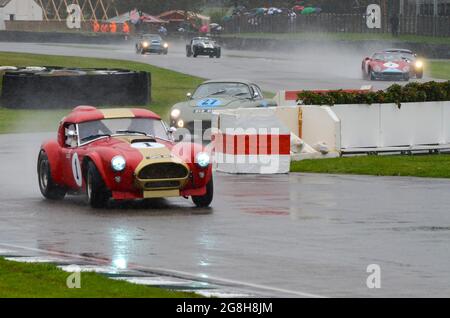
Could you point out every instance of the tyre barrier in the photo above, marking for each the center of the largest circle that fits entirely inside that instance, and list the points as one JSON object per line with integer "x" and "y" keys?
{"x": 56, "y": 87}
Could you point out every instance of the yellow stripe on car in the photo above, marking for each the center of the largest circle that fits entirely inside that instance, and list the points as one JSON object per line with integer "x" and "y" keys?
{"x": 117, "y": 113}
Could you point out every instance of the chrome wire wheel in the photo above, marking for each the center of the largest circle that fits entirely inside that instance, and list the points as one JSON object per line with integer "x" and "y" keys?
{"x": 89, "y": 187}
{"x": 97, "y": 193}
{"x": 49, "y": 189}
{"x": 43, "y": 174}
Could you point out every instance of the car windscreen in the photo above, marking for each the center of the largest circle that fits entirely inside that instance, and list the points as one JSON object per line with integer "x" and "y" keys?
{"x": 201, "y": 40}
{"x": 387, "y": 57}
{"x": 121, "y": 126}
{"x": 152, "y": 38}
{"x": 228, "y": 89}
{"x": 407, "y": 56}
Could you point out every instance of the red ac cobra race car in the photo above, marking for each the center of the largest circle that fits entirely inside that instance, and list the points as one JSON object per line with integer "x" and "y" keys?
{"x": 386, "y": 66}
{"x": 122, "y": 154}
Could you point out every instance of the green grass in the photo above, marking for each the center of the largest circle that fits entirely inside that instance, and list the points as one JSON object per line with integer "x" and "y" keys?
{"x": 432, "y": 166}
{"x": 344, "y": 37}
{"x": 439, "y": 69}
{"x": 168, "y": 87}
{"x": 25, "y": 280}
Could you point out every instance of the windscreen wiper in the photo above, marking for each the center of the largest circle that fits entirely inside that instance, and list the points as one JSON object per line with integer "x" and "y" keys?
{"x": 240, "y": 94}
{"x": 217, "y": 93}
{"x": 127, "y": 131}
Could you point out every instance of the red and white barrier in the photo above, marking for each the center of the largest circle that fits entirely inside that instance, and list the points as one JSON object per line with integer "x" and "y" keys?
{"x": 251, "y": 141}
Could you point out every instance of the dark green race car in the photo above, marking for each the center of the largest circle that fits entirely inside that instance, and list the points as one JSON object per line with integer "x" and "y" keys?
{"x": 151, "y": 43}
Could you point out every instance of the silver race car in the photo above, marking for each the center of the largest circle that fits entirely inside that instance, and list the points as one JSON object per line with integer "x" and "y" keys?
{"x": 215, "y": 94}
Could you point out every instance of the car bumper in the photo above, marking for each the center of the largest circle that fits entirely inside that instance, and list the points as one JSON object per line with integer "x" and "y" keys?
{"x": 206, "y": 51}
{"x": 416, "y": 71}
{"x": 154, "y": 50}
{"x": 202, "y": 123}
{"x": 390, "y": 75}
{"x": 121, "y": 195}
{"x": 194, "y": 130}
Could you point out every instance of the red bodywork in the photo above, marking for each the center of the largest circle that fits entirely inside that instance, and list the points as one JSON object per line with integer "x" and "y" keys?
{"x": 100, "y": 152}
{"x": 385, "y": 69}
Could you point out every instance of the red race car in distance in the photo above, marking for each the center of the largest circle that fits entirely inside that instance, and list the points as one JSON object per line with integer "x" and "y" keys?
{"x": 386, "y": 66}
{"x": 122, "y": 154}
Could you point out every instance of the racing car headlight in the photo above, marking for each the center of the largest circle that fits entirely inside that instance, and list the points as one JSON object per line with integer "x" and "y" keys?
{"x": 145, "y": 44}
{"x": 175, "y": 113}
{"x": 203, "y": 159}
{"x": 118, "y": 163}
{"x": 180, "y": 123}
{"x": 166, "y": 45}
{"x": 419, "y": 64}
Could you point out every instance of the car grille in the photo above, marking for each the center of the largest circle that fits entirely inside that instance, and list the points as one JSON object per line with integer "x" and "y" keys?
{"x": 204, "y": 124}
{"x": 162, "y": 184}
{"x": 165, "y": 170}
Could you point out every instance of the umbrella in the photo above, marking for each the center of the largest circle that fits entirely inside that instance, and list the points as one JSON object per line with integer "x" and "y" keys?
{"x": 134, "y": 16}
{"x": 308, "y": 10}
{"x": 260, "y": 11}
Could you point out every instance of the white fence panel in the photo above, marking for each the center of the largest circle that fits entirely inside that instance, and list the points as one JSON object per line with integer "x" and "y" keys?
{"x": 321, "y": 125}
{"x": 412, "y": 124}
{"x": 360, "y": 125}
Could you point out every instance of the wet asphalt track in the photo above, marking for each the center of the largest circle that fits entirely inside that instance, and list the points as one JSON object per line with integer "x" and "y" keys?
{"x": 305, "y": 68}
{"x": 297, "y": 234}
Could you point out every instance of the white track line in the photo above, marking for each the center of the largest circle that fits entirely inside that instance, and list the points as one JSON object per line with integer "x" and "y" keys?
{"x": 163, "y": 271}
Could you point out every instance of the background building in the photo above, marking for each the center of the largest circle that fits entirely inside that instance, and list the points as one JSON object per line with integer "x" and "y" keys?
{"x": 12, "y": 10}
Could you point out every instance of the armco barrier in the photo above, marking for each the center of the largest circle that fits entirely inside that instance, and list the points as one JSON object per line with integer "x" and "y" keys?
{"x": 69, "y": 88}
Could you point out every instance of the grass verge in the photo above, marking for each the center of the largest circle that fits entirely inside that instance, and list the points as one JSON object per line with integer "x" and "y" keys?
{"x": 439, "y": 69}
{"x": 24, "y": 280}
{"x": 343, "y": 36}
{"x": 431, "y": 166}
{"x": 168, "y": 87}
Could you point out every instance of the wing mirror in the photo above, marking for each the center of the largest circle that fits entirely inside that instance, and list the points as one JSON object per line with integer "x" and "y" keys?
{"x": 172, "y": 130}
{"x": 189, "y": 95}
{"x": 172, "y": 134}
{"x": 71, "y": 138}
{"x": 72, "y": 133}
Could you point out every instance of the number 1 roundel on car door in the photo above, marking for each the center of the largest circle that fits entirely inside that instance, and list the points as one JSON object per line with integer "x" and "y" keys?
{"x": 76, "y": 170}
